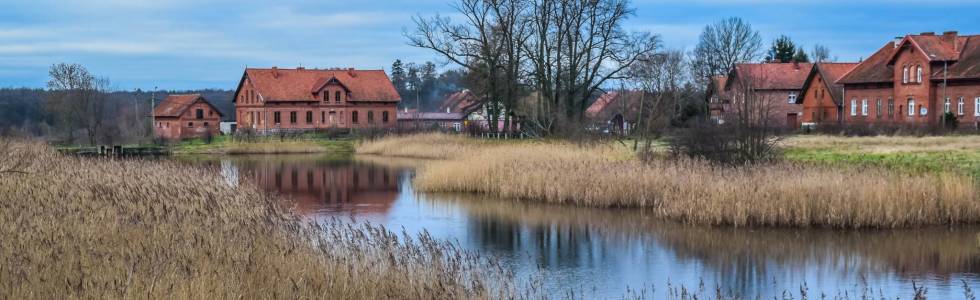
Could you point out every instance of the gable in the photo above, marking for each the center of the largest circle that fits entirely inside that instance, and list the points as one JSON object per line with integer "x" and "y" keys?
{"x": 302, "y": 84}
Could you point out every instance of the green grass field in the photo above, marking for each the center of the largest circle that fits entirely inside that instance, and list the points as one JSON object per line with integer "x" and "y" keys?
{"x": 265, "y": 145}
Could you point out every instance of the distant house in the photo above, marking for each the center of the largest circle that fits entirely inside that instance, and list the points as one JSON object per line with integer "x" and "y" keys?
{"x": 443, "y": 121}
{"x": 458, "y": 111}
{"x": 307, "y": 99}
{"x": 185, "y": 116}
{"x": 718, "y": 101}
{"x": 615, "y": 112}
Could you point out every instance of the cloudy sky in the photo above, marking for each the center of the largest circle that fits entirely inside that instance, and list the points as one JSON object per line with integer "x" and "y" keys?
{"x": 190, "y": 44}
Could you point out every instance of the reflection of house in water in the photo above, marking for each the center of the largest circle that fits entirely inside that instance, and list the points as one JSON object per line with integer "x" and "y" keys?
{"x": 321, "y": 186}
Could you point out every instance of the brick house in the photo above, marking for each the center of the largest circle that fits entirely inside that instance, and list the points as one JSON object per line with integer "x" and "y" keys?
{"x": 616, "y": 112}
{"x": 821, "y": 95}
{"x": 718, "y": 101}
{"x": 913, "y": 80}
{"x": 185, "y": 116}
{"x": 308, "y": 99}
{"x": 778, "y": 84}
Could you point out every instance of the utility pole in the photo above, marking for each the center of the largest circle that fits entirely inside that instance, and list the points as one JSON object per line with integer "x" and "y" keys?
{"x": 153, "y": 116}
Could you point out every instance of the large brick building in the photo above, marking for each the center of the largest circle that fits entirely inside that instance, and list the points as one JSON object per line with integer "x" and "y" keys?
{"x": 821, "y": 95}
{"x": 911, "y": 81}
{"x": 185, "y": 116}
{"x": 306, "y": 99}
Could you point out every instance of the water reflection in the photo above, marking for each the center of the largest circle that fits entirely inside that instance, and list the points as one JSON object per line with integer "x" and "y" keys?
{"x": 603, "y": 251}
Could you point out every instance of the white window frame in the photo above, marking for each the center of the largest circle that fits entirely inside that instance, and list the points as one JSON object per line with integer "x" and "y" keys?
{"x": 918, "y": 74}
{"x": 854, "y": 107}
{"x": 905, "y": 75}
{"x": 792, "y": 98}
{"x": 911, "y": 106}
{"x": 878, "y": 108}
{"x": 864, "y": 107}
{"x": 946, "y": 106}
{"x": 961, "y": 107}
{"x": 976, "y": 107}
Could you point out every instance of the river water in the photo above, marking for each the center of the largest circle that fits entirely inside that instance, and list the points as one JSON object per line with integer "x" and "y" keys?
{"x": 601, "y": 253}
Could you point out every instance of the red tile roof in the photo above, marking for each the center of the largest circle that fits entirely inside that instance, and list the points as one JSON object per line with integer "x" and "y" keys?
{"x": 967, "y": 65}
{"x": 830, "y": 72}
{"x": 300, "y": 84}
{"x": 874, "y": 69}
{"x": 772, "y": 76}
{"x": 430, "y": 116}
{"x": 625, "y": 103}
{"x": 600, "y": 104}
{"x": 718, "y": 86}
{"x": 175, "y": 105}
{"x": 459, "y": 102}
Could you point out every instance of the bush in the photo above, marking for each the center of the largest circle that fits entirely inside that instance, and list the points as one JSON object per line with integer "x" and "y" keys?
{"x": 724, "y": 143}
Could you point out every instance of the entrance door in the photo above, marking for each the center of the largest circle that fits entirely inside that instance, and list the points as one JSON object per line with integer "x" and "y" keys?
{"x": 791, "y": 120}
{"x": 332, "y": 119}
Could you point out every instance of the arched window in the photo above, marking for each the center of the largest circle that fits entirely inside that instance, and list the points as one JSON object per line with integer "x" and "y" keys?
{"x": 905, "y": 75}
{"x": 918, "y": 74}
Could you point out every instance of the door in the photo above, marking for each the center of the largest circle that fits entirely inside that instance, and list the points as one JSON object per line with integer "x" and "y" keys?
{"x": 791, "y": 120}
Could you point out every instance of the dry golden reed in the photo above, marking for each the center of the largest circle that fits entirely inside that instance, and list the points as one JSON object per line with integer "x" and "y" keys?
{"x": 97, "y": 228}
{"x": 429, "y": 146}
{"x": 779, "y": 194}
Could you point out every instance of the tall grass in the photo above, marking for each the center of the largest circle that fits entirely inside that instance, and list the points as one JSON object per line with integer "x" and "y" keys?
{"x": 93, "y": 228}
{"x": 429, "y": 146}
{"x": 779, "y": 194}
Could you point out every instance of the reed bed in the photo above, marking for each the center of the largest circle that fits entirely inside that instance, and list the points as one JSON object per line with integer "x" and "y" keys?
{"x": 96, "y": 228}
{"x": 427, "y": 146}
{"x": 690, "y": 191}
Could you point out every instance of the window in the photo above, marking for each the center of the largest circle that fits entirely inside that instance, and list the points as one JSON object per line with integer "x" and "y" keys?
{"x": 323, "y": 117}
{"x": 960, "y": 107}
{"x": 891, "y": 108}
{"x": 353, "y": 117}
{"x": 205, "y": 124}
{"x": 370, "y": 117}
{"x": 976, "y": 107}
{"x": 864, "y": 107}
{"x": 292, "y": 117}
{"x": 384, "y": 117}
{"x": 911, "y": 106}
{"x": 457, "y": 127}
{"x": 190, "y": 124}
{"x": 878, "y": 108}
{"x": 277, "y": 117}
{"x": 336, "y": 96}
{"x": 854, "y": 107}
{"x": 326, "y": 96}
{"x": 905, "y": 75}
{"x": 309, "y": 117}
{"x": 946, "y": 105}
{"x": 918, "y": 74}
{"x": 199, "y": 114}
{"x": 792, "y": 98}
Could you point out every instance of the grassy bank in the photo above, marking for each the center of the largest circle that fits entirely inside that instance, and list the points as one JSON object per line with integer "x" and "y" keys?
{"x": 959, "y": 154}
{"x": 780, "y": 194}
{"x": 94, "y": 228}
{"x": 263, "y": 145}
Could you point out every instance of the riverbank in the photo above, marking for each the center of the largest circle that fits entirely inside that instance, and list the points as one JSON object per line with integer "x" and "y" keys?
{"x": 264, "y": 145}
{"x": 99, "y": 228}
{"x": 779, "y": 194}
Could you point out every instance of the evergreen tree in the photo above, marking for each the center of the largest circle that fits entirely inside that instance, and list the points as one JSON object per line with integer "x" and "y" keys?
{"x": 801, "y": 56}
{"x": 783, "y": 49}
{"x": 398, "y": 77}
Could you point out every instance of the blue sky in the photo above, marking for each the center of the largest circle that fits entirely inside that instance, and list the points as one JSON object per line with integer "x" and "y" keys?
{"x": 189, "y": 44}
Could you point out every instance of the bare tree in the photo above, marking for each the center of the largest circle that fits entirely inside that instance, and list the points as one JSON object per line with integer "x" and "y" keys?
{"x": 78, "y": 99}
{"x": 577, "y": 47}
{"x": 660, "y": 78}
{"x": 821, "y": 53}
{"x": 721, "y": 46}
{"x": 487, "y": 44}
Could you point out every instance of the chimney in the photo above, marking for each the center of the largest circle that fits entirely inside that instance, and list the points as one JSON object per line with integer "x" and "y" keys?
{"x": 796, "y": 65}
{"x": 350, "y": 71}
{"x": 275, "y": 72}
{"x": 447, "y": 109}
{"x": 929, "y": 33}
{"x": 898, "y": 40}
{"x": 949, "y": 37}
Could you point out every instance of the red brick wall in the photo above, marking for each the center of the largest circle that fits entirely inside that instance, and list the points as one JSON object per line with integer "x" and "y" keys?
{"x": 188, "y": 125}
{"x": 969, "y": 92}
{"x": 920, "y": 92}
{"x": 818, "y": 105}
{"x": 254, "y": 113}
{"x": 781, "y": 109}
{"x": 855, "y": 97}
